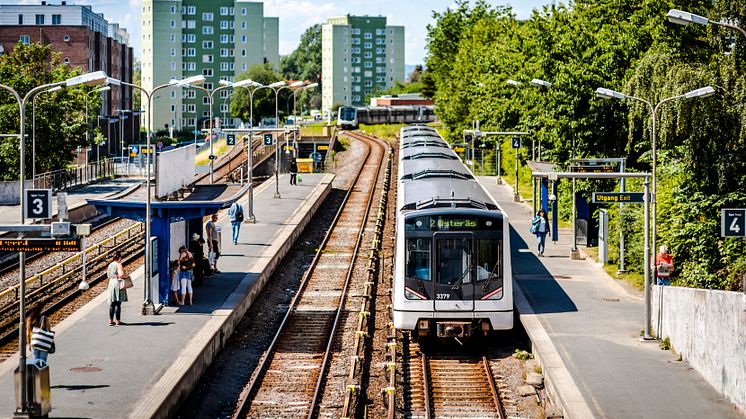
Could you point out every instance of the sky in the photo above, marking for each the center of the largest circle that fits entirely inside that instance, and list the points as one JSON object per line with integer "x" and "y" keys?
{"x": 297, "y": 15}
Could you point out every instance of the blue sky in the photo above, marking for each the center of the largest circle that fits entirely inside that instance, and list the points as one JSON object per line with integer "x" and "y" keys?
{"x": 297, "y": 15}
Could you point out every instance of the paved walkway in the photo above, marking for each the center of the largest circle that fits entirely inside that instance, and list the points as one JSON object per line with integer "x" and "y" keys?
{"x": 585, "y": 328}
{"x": 143, "y": 368}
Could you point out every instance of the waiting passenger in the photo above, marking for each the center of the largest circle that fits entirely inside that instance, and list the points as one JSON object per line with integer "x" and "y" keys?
{"x": 663, "y": 266}
{"x": 186, "y": 276}
{"x": 540, "y": 227}
{"x": 175, "y": 284}
{"x": 117, "y": 293}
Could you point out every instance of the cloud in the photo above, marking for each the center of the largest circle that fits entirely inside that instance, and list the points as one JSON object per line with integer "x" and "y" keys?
{"x": 296, "y": 16}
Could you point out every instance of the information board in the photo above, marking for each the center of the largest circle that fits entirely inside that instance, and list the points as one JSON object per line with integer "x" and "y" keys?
{"x": 40, "y": 245}
{"x": 618, "y": 197}
{"x": 593, "y": 169}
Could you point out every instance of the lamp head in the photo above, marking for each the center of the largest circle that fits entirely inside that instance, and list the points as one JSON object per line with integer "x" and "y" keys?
{"x": 276, "y": 84}
{"x": 95, "y": 78}
{"x": 681, "y": 17}
{"x": 311, "y": 86}
{"x": 298, "y": 83}
{"x": 605, "y": 93}
{"x": 552, "y": 197}
{"x": 103, "y": 89}
{"x": 512, "y": 82}
{"x": 189, "y": 81}
{"x": 225, "y": 83}
{"x": 245, "y": 82}
{"x": 54, "y": 89}
{"x": 700, "y": 93}
{"x": 540, "y": 83}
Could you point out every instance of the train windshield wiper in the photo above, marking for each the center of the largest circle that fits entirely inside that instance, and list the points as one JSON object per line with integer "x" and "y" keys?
{"x": 486, "y": 285}
{"x": 457, "y": 285}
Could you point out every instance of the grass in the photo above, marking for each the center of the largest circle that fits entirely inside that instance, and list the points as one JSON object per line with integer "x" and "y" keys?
{"x": 312, "y": 130}
{"x": 388, "y": 131}
{"x": 632, "y": 278}
{"x": 203, "y": 158}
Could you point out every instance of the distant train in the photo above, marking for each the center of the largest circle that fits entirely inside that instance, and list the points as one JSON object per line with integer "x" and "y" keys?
{"x": 349, "y": 117}
{"x": 452, "y": 270}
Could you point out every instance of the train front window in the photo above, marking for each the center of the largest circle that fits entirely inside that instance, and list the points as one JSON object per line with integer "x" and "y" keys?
{"x": 347, "y": 114}
{"x": 453, "y": 261}
{"x": 490, "y": 267}
{"x": 418, "y": 268}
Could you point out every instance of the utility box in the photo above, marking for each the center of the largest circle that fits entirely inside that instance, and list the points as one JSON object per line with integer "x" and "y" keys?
{"x": 38, "y": 391}
{"x": 603, "y": 236}
{"x": 304, "y": 165}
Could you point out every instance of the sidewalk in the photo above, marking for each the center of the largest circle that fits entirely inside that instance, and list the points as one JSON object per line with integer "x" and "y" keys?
{"x": 585, "y": 331}
{"x": 143, "y": 368}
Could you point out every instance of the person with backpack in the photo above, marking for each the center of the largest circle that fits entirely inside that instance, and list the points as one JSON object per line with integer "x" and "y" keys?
{"x": 540, "y": 227}
{"x": 235, "y": 214}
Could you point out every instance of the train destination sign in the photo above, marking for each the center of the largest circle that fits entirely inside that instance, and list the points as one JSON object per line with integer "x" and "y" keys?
{"x": 40, "y": 245}
{"x": 451, "y": 223}
{"x": 593, "y": 169}
{"x": 617, "y": 197}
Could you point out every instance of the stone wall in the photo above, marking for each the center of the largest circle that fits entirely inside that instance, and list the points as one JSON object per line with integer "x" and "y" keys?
{"x": 10, "y": 191}
{"x": 708, "y": 329}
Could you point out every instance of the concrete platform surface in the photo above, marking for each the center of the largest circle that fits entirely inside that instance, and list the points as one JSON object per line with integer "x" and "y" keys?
{"x": 10, "y": 214}
{"x": 142, "y": 369}
{"x": 585, "y": 329}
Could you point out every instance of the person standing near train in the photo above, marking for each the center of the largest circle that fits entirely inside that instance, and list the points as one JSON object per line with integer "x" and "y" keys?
{"x": 540, "y": 227}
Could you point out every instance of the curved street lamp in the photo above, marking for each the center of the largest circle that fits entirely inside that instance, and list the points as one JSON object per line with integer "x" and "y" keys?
{"x": 681, "y": 17}
{"x": 605, "y": 93}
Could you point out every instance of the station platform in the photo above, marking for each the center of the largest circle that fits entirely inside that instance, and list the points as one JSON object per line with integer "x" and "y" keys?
{"x": 76, "y": 199}
{"x": 144, "y": 368}
{"x": 585, "y": 329}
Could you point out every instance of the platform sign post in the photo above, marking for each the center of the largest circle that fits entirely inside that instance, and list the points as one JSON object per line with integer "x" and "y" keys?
{"x": 38, "y": 204}
{"x": 733, "y": 222}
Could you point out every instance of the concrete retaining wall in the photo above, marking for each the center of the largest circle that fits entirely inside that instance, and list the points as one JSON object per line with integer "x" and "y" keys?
{"x": 708, "y": 329}
{"x": 10, "y": 192}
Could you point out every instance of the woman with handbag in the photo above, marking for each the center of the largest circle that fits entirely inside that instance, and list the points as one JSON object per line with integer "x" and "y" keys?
{"x": 119, "y": 281}
{"x": 540, "y": 227}
{"x": 186, "y": 276}
{"x": 39, "y": 336}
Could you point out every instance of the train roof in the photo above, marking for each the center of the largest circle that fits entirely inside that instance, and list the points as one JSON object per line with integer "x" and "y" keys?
{"x": 444, "y": 193}
{"x": 419, "y": 127}
{"x": 424, "y": 142}
{"x": 426, "y": 152}
{"x": 428, "y": 168}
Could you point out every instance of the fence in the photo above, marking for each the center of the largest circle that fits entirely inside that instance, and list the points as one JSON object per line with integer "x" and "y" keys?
{"x": 60, "y": 180}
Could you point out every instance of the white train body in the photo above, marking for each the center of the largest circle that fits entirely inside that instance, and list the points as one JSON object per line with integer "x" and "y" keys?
{"x": 452, "y": 269}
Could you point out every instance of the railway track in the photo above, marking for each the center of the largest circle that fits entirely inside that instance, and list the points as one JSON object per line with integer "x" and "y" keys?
{"x": 229, "y": 167}
{"x": 57, "y": 285}
{"x": 289, "y": 379}
{"x": 445, "y": 385}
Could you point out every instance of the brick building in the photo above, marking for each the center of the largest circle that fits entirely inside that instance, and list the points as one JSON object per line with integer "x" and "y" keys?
{"x": 88, "y": 41}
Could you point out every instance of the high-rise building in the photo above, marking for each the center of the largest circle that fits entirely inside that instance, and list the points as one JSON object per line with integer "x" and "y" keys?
{"x": 219, "y": 39}
{"x": 86, "y": 40}
{"x": 361, "y": 55}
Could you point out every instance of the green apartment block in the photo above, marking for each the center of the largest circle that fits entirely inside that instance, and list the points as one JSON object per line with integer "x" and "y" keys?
{"x": 360, "y": 55}
{"x": 219, "y": 39}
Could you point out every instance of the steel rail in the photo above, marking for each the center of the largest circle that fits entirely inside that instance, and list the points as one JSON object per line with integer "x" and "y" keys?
{"x": 252, "y": 387}
{"x": 493, "y": 388}
{"x": 350, "y": 270}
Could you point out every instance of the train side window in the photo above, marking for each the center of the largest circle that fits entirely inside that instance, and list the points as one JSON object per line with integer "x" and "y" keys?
{"x": 489, "y": 259}
{"x": 418, "y": 259}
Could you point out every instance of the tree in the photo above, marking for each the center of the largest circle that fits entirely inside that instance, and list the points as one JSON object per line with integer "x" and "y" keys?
{"x": 264, "y": 99}
{"x": 60, "y": 115}
{"x": 416, "y": 74}
{"x": 305, "y": 64}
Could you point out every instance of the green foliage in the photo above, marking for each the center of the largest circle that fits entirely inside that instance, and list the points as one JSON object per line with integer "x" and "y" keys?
{"x": 264, "y": 99}
{"x": 523, "y": 355}
{"x": 60, "y": 115}
{"x": 625, "y": 45}
{"x": 305, "y": 64}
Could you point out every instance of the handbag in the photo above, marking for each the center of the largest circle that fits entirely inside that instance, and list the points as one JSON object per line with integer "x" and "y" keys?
{"x": 42, "y": 339}
{"x": 239, "y": 214}
{"x": 125, "y": 283}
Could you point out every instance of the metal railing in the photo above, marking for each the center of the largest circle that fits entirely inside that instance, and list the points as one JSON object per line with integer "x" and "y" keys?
{"x": 61, "y": 180}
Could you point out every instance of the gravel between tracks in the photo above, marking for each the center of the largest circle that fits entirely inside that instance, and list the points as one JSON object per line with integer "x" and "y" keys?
{"x": 216, "y": 393}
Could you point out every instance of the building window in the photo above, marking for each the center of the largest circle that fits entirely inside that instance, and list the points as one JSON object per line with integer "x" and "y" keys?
{"x": 380, "y": 41}
{"x": 368, "y": 54}
{"x": 207, "y": 58}
{"x": 173, "y": 52}
{"x": 208, "y": 86}
{"x": 207, "y": 30}
{"x": 39, "y": 19}
{"x": 173, "y": 66}
{"x": 243, "y": 25}
{"x": 207, "y": 72}
{"x": 56, "y": 19}
{"x": 368, "y": 35}
{"x": 20, "y": 19}
{"x": 206, "y": 44}
{"x": 67, "y": 61}
{"x": 380, "y": 31}
{"x": 173, "y": 37}
{"x": 173, "y": 10}
{"x": 243, "y": 11}
{"x": 191, "y": 38}
{"x": 207, "y": 17}
{"x": 355, "y": 41}
{"x": 243, "y": 52}
{"x": 173, "y": 23}
{"x": 191, "y": 10}
{"x": 223, "y": 11}
{"x": 243, "y": 39}
{"x": 368, "y": 64}
{"x": 223, "y": 24}
{"x": 356, "y": 31}
{"x": 368, "y": 45}
{"x": 24, "y": 39}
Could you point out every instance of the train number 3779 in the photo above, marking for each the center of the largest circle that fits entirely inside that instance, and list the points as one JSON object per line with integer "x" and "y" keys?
{"x": 442, "y": 296}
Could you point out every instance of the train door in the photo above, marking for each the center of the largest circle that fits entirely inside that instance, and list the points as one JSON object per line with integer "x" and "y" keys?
{"x": 453, "y": 287}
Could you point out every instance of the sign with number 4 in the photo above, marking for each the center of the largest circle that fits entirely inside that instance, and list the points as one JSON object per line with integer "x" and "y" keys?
{"x": 38, "y": 204}
{"x": 733, "y": 222}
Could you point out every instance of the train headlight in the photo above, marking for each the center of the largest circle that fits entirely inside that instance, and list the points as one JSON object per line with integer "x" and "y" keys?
{"x": 488, "y": 223}
{"x": 409, "y": 295}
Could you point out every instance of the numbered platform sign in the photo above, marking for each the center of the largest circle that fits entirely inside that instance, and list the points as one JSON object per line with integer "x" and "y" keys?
{"x": 733, "y": 222}
{"x": 268, "y": 139}
{"x": 516, "y": 142}
{"x": 231, "y": 139}
{"x": 38, "y": 204}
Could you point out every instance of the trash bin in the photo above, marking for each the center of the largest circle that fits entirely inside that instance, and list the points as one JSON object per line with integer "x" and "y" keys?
{"x": 37, "y": 390}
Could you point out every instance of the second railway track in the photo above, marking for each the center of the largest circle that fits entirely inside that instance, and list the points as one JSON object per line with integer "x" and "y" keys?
{"x": 288, "y": 380}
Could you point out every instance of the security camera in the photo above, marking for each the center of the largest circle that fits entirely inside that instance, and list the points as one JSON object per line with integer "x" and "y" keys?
{"x": 552, "y": 198}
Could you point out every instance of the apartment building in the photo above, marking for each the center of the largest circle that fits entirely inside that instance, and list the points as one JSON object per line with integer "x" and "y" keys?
{"x": 219, "y": 39}
{"x": 361, "y": 55}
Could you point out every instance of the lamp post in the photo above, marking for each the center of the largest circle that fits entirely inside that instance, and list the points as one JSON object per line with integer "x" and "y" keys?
{"x": 276, "y": 87}
{"x": 302, "y": 88}
{"x": 612, "y": 94}
{"x": 121, "y": 126}
{"x": 148, "y": 305}
{"x": 87, "y": 118}
{"x": 90, "y": 79}
{"x": 33, "y": 131}
{"x": 683, "y": 18}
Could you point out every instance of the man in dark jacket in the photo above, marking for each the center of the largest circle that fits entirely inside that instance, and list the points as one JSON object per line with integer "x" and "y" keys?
{"x": 201, "y": 265}
{"x": 293, "y": 171}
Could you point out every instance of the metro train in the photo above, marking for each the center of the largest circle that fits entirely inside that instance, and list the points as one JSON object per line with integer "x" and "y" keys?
{"x": 452, "y": 270}
{"x": 349, "y": 117}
